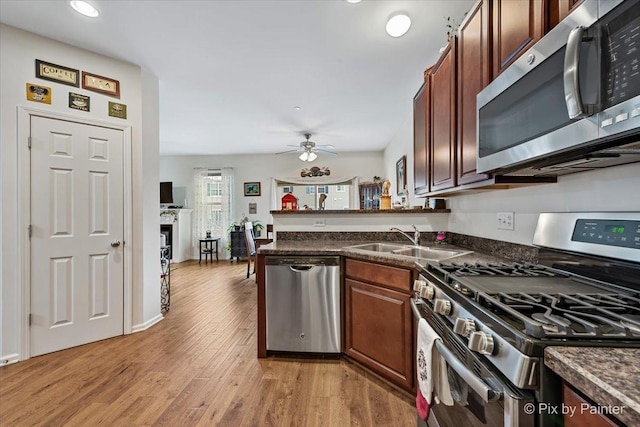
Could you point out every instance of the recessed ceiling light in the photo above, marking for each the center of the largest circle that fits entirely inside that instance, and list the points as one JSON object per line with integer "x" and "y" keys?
{"x": 398, "y": 24}
{"x": 297, "y": 108}
{"x": 84, "y": 8}
{"x": 353, "y": 1}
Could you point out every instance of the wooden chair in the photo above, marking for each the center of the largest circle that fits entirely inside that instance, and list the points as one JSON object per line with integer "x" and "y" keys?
{"x": 249, "y": 240}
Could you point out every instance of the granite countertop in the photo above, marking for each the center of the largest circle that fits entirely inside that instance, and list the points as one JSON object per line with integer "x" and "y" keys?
{"x": 609, "y": 376}
{"x": 359, "y": 211}
{"x": 343, "y": 247}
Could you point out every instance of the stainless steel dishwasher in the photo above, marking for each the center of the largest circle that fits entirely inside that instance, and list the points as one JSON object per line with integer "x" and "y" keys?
{"x": 303, "y": 304}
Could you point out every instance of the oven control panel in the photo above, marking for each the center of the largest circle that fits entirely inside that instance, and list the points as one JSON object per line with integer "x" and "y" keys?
{"x": 622, "y": 233}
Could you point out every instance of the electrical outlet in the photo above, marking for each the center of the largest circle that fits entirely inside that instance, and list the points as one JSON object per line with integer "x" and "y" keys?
{"x": 505, "y": 221}
{"x": 318, "y": 222}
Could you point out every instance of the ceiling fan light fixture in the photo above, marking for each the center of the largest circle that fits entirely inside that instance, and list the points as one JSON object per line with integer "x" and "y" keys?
{"x": 84, "y": 8}
{"x": 398, "y": 24}
{"x": 312, "y": 157}
{"x": 304, "y": 156}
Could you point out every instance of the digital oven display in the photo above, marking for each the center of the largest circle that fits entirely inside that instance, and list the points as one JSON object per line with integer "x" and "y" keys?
{"x": 608, "y": 232}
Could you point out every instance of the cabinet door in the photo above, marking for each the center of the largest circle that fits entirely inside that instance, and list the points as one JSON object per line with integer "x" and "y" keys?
{"x": 421, "y": 136}
{"x": 582, "y": 417}
{"x": 517, "y": 25}
{"x": 473, "y": 75}
{"x": 443, "y": 114}
{"x": 560, "y": 9}
{"x": 379, "y": 331}
{"x": 238, "y": 245}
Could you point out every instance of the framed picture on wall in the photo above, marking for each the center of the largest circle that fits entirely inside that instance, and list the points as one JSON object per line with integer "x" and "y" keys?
{"x": 251, "y": 188}
{"x": 401, "y": 175}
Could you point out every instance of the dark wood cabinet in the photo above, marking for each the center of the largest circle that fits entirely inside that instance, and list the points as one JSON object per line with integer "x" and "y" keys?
{"x": 517, "y": 25}
{"x": 582, "y": 417}
{"x": 560, "y": 9}
{"x": 378, "y": 320}
{"x": 238, "y": 245}
{"x": 443, "y": 120}
{"x": 421, "y": 137}
{"x": 474, "y": 73}
{"x": 370, "y": 195}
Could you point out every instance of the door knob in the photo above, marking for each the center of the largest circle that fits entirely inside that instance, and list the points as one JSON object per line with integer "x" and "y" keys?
{"x": 115, "y": 243}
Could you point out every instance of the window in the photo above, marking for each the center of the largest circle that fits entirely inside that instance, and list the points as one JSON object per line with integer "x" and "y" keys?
{"x": 287, "y": 189}
{"x": 214, "y": 188}
{"x": 311, "y": 189}
{"x": 213, "y": 191}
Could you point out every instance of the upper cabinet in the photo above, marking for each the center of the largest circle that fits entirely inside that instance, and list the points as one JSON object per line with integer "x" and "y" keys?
{"x": 474, "y": 73}
{"x": 421, "y": 130}
{"x": 444, "y": 109}
{"x": 443, "y": 120}
{"x": 517, "y": 25}
{"x": 560, "y": 9}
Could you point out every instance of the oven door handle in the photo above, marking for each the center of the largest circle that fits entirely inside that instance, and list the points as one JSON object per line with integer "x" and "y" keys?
{"x": 486, "y": 393}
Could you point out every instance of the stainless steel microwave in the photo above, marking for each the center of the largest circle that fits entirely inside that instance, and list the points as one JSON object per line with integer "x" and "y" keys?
{"x": 572, "y": 101}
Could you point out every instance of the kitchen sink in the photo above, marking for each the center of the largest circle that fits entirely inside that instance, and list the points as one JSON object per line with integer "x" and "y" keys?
{"x": 379, "y": 247}
{"x": 430, "y": 253}
{"x": 410, "y": 251}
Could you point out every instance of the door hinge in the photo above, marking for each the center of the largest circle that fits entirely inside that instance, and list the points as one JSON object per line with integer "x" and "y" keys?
{"x": 30, "y": 319}
{"x": 30, "y": 230}
{"x": 29, "y": 143}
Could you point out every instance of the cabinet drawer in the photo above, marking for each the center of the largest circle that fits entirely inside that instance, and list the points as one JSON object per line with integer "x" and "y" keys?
{"x": 393, "y": 277}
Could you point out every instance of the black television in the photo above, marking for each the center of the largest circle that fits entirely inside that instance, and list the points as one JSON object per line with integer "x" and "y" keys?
{"x": 166, "y": 192}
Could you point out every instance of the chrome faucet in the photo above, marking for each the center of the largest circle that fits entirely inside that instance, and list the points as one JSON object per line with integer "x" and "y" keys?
{"x": 416, "y": 234}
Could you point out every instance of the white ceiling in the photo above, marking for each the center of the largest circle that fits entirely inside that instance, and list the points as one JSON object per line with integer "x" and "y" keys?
{"x": 230, "y": 72}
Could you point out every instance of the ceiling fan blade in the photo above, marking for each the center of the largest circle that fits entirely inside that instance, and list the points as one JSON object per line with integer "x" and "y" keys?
{"x": 289, "y": 151}
{"x": 327, "y": 152}
{"x": 326, "y": 146}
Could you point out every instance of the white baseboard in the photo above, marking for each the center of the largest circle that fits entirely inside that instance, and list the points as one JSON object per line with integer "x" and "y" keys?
{"x": 146, "y": 325}
{"x": 9, "y": 359}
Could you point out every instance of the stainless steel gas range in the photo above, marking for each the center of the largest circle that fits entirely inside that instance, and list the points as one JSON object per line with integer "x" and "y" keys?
{"x": 496, "y": 319}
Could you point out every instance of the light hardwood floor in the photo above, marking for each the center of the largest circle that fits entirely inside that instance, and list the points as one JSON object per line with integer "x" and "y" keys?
{"x": 197, "y": 367}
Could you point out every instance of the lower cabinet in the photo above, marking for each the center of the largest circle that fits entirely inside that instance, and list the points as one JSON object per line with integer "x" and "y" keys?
{"x": 583, "y": 415}
{"x": 378, "y": 320}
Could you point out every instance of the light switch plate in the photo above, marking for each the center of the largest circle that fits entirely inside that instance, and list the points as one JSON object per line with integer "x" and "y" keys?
{"x": 318, "y": 222}
{"x": 505, "y": 221}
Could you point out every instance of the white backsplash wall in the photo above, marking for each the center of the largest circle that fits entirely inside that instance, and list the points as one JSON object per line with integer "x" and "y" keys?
{"x": 610, "y": 189}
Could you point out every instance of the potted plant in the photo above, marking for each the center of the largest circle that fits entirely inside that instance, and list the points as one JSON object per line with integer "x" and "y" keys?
{"x": 257, "y": 228}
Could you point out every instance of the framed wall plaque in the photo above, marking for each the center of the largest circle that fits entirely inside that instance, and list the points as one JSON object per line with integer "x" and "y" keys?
{"x": 101, "y": 84}
{"x": 57, "y": 73}
{"x": 79, "y": 102}
{"x": 37, "y": 93}
{"x": 117, "y": 110}
{"x": 251, "y": 188}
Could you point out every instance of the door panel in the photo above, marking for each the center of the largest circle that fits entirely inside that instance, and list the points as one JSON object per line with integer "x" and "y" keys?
{"x": 77, "y": 277}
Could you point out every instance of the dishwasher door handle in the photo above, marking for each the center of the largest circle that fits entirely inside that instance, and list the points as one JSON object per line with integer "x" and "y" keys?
{"x": 300, "y": 268}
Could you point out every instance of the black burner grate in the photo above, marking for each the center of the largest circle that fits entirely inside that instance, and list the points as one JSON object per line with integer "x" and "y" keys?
{"x": 600, "y": 316}
{"x": 514, "y": 269}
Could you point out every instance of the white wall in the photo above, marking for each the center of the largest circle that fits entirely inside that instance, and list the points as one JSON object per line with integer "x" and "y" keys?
{"x": 263, "y": 167}
{"x": 18, "y": 52}
{"x": 611, "y": 189}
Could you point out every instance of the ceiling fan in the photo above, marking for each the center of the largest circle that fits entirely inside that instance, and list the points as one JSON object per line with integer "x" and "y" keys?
{"x": 309, "y": 150}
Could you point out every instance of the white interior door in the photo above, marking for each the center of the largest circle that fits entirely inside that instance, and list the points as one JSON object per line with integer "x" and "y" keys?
{"x": 77, "y": 219}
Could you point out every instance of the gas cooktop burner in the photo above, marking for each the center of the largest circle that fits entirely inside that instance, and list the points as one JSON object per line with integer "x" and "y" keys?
{"x": 568, "y": 316}
{"x": 515, "y": 269}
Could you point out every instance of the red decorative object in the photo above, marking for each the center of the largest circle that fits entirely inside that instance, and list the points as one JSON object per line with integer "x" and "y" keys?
{"x": 289, "y": 202}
